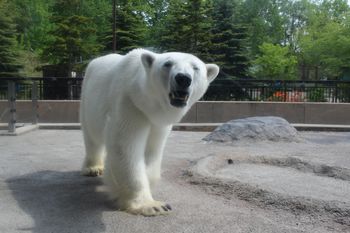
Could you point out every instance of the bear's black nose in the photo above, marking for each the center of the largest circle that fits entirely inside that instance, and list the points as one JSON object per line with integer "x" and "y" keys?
{"x": 183, "y": 80}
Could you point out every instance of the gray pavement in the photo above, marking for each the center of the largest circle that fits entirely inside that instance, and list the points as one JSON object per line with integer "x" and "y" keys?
{"x": 41, "y": 190}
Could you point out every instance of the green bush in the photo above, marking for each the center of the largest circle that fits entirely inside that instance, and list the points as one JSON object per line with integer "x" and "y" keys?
{"x": 317, "y": 95}
{"x": 344, "y": 92}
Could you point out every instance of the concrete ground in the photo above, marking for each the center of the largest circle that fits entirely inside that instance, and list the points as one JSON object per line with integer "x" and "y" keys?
{"x": 246, "y": 186}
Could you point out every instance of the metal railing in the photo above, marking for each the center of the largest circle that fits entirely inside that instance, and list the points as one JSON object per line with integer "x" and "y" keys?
{"x": 281, "y": 91}
{"x": 11, "y": 94}
{"x": 54, "y": 88}
{"x": 220, "y": 90}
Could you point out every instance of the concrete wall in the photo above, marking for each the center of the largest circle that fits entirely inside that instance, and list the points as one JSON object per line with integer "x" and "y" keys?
{"x": 308, "y": 113}
{"x": 48, "y": 111}
{"x": 202, "y": 112}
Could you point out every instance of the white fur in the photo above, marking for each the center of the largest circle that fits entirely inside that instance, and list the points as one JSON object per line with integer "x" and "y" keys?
{"x": 126, "y": 114}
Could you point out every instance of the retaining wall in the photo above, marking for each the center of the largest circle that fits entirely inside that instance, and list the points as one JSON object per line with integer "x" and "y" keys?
{"x": 201, "y": 112}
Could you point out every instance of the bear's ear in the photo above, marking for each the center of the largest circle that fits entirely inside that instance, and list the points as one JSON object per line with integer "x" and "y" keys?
{"x": 147, "y": 60}
{"x": 212, "y": 71}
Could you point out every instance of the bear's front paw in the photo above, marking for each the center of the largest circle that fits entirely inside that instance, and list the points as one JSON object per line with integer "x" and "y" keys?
{"x": 92, "y": 171}
{"x": 152, "y": 208}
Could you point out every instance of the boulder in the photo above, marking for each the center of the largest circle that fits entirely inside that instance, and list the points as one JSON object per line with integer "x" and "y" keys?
{"x": 254, "y": 128}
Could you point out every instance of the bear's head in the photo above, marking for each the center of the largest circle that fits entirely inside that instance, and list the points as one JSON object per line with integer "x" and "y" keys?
{"x": 183, "y": 78}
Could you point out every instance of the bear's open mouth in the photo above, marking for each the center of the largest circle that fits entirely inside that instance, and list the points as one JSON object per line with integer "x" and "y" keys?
{"x": 178, "y": 98}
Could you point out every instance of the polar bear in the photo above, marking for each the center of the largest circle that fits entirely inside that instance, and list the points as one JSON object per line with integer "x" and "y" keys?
{"x": 128, "y": 106}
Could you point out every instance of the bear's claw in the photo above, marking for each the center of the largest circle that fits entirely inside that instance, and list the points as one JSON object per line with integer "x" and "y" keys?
{"x": 151, "y": 209}
{"x": 92, "y": 171}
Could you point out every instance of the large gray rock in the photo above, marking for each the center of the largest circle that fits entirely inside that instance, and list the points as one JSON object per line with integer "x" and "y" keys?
{"x": 254, "y": 128}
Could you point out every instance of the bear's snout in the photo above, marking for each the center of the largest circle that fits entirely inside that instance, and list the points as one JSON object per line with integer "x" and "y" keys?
{"x": 183, "y": 80}
{"x": 180, "y": 92}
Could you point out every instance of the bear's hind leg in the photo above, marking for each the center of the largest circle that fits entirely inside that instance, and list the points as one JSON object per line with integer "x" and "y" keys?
{"x": 94, "y": 159}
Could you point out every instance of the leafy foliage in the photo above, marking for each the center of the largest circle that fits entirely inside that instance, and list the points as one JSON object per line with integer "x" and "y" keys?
{"x": 8, "y": 44}
{"x": 317, "y": 95}
{"x": 130, "y": 28}
{"x": 326, "y": 42}
{"x": 172, "y": 28}
{"x": 229, "y": 41}
{"x": 275, "y": 62}
{"x": 231, "y": 33}
{"x": 33, "y": 24}
{"x": 266, "y": 23}
{"x": 186, "y": 28}
{"x": 72, "y": 39}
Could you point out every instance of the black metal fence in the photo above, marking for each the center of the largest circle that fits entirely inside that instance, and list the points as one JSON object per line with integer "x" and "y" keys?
{"x": 283, "y": 91}
{"x": 219, "y": 90}
{"x": 48, "y": 88}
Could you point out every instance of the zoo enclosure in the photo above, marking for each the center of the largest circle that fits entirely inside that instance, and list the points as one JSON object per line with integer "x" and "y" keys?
{"x": 57, "y": 88}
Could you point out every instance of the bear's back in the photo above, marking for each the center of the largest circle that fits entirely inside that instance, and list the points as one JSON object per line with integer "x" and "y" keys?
{"x": 102, "y": 64}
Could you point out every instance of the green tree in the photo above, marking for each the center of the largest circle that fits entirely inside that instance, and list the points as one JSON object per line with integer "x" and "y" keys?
{"x": 171, "y": 28}
{"x": 8, "y": 44}
{"x": 324, "y": 43}
{"x": 329, "y": 49}
{"x": 265, "y": 23}
{"x": 294, "y": 17}
{"x": 229, "y": 41}
{"x": 72, "y": 38}
{"x": 334, "y": 9}
{"x": 130, "y": 28}
{"x": 33, "y": 25}
{"x": 100, "y": 14}
{"x": 154, "y": 13}
{"x": 186, "y": 28}
{"x": 197, "y": 35}
{"x": 275, "y": 62}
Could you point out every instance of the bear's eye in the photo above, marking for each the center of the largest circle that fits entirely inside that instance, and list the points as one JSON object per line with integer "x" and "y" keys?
{"x": 196, "y": 68}
{"x": 168, "y": 64}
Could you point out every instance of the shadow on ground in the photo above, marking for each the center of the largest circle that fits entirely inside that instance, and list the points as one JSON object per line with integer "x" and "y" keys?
{"x": 61, "y": 201}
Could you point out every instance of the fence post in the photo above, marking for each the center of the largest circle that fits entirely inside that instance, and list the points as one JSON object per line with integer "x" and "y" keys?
{"x": 12, "y": 104}
{"x": 284, "y": 91}
{"x": 70, "y": 89}
{"x": 35, "y": 105}
{"x": 336, "y": 93}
